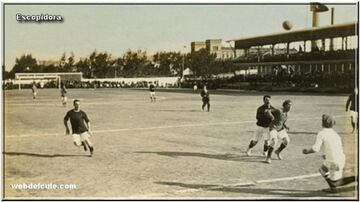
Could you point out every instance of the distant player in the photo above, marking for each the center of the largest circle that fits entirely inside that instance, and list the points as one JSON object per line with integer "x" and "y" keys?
{"x": 80, "y": 125}
{"x": 262, "y": 125}
{"x": 353, "y": 109}
{"x": 195, "y": 87}
{"x": 152, "y": 92}
{"x": 34, "y": 90}
{"x": 333, "y": 165}
{"x": 63, "y": 95}
{"x": 205, "y": 98}
{"x": 278, "y": 130}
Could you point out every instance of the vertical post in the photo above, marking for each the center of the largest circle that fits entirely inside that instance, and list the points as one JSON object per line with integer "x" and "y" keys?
{"x": 332, "y": 22}
{"x": 59, "y": 81}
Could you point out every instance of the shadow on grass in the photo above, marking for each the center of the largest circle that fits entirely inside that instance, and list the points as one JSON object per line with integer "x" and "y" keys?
{"x": 302, "y": 133}
{"x": 225, "y": 157}
{"x": 250, "y": 189}
{"x": 44, "y": 155}
{"x": 179, "y": 110}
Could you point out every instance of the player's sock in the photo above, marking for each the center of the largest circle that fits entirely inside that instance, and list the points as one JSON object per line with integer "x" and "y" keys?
{"x": 208, "y": 107}
{"x": 252, "y": 144}
{"x": 353, "y": 126}
{"x": 270, "y": 150}
{"x": 282, "y": 146}
{"x": 84, "y": 145}
{"x": 266, "y": 147}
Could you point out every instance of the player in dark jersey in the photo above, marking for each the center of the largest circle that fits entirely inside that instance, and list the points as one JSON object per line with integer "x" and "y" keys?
{"x": 262, "y": 125}
{"x": 80, "y": 125}
{"x": 353, "y": 109}
{"x": 205, "y": 98}
{"x": 152, "y": 92}
{"x": 63, "y": 95}
{"x": 278, "y": 129}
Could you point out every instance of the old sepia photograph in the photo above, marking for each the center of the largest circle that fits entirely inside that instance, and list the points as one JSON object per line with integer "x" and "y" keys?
{"x": 180, "y": 101}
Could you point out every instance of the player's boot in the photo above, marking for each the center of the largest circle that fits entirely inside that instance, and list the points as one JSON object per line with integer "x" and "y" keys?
{"x": 91, "y": 150}
{"x": 265, "y": 153}
{"x": 248, "y": 152}
{"x": 268, "y": 160}
{"x": 278, "y": 155}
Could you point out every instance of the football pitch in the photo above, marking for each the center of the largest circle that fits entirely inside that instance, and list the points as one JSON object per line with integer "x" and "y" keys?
{"x": 170, "y": 149}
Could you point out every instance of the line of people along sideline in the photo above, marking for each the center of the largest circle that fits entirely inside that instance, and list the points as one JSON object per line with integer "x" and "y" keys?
{"x": 271, "y": 126}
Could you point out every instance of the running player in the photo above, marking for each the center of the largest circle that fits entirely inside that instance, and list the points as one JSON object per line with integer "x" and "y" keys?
{"x": 278, "y": 129}
{"x": 63, "y": 95}
{"x": 353, "y": 109}
{"x": 152, "y": 92}
{"x": 262, "y": 125}
{"x": 34, "y": 90}
{"x": 80, "y": 125}
{"x": 333, "y": 165}
{"x": 205, "y": 98}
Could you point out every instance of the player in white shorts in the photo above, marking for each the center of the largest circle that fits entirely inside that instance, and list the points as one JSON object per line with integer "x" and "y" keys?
{"x": 34, "y": 90}
{"x": 80, "y": 125}
{"x": 278, "y": 130}
{"x": 152, "y": 92}
{"x": 63, "y": 95}
{"x": 262, "y": 126}
{"x": 333, "y": 165}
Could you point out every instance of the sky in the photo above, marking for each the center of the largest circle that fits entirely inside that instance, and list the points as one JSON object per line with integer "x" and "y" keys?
{"x": 154, "y": 28}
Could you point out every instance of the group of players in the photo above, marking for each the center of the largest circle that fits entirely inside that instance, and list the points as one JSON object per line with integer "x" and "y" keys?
{"x": 270, "y": 125}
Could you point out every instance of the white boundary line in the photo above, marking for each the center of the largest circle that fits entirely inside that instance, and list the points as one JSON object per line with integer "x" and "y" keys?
{"x": 165, "y": 127}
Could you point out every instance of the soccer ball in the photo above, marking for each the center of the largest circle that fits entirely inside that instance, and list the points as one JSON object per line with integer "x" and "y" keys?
{"x": 287, "y": 25}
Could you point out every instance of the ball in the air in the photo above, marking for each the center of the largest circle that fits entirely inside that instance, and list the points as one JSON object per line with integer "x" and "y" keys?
{"x": 287, "y": 25}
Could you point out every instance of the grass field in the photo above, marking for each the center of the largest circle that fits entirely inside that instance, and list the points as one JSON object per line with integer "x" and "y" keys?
{"x": 167, "y": 149}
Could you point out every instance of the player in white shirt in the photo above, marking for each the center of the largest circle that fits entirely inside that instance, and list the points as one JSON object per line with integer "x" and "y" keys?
{"x": 333, "y": 165}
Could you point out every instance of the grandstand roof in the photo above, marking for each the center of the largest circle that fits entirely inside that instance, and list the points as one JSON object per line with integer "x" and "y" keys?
{"x": 314, "y": 33}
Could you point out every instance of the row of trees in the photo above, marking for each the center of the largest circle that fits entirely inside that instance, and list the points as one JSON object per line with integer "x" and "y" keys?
{"x": 131, "y": 64}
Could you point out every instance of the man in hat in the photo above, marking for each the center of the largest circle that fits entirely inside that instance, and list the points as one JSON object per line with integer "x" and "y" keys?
{"x": 333, "y": 165}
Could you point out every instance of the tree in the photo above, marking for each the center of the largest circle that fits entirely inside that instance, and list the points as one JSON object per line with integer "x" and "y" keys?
{"x": 202, "y": 63}
{"x": 84, "y": 67}
{"x": 6, "y": 74}
{"x": 135, "y": 64}
{"x": 101, "y": 64}
{"x": 26, "y": 63}
{"x": 168, "y": 63}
